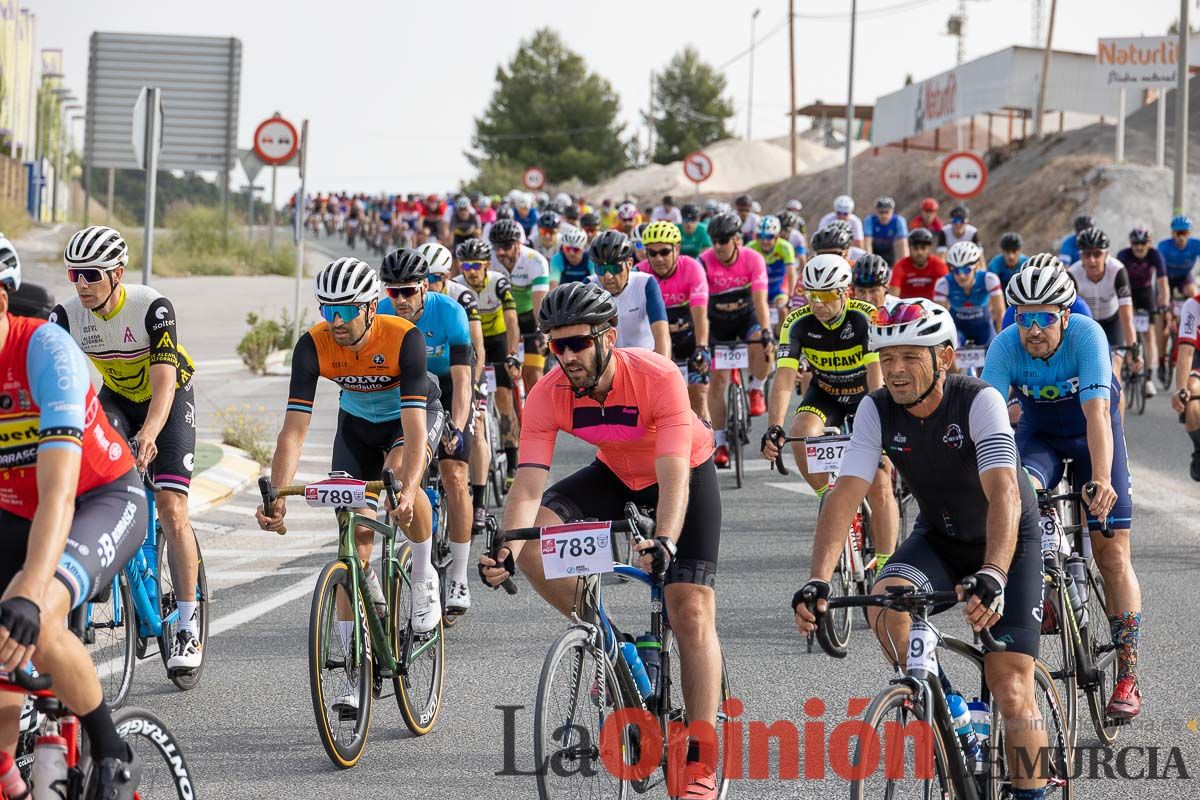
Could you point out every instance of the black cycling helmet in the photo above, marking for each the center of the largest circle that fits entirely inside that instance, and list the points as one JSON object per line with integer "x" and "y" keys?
{"x": 549, "y": 219}
{"x": 885, "y": 202}
{"x": 960, "y": 212}
{"x": 788, "y": 220}
{"x": 403, "y": 265}
{"x": 576, "y": 303}
{"x": 610, "y": 247}
{"x": 871, "y": 270}
{"x": 503, "y": 212}
{"x": 590, "y": 220}
{"x": 689, "y": 213}
{"x": 723, "y": 226}
{"x": 1011, "y": 241}
{"x": 1092, "y": 239}
{"x": 505, "y": 231}
{"x": 1139, "y": 235}
{"x": 1083, "y": 222}
{"x": 920, "y": 236}
{"x": 743, "y": 201}
{"x": 831, "y": 238}
{"x": 474, "y": 250}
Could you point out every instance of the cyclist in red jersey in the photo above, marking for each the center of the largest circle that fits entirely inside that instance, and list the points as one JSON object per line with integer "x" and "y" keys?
{"x": 928, "y": 217}
{"x": 652, "y": 450}
{"x": 917, "y": 274}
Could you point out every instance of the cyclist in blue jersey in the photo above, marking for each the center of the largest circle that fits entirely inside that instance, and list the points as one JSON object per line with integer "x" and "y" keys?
{"x": 1079, "y": 306}
{"x": 448, "y": 355}
{"x": 1180, "y": 253}
{"x": 972, "y": 294}
{"x": 780, "y": 257}
{"x": 885, "y": 232}
{"x": 1060, "y": 371}
{"x": 1068, "y": 251}
{"x": 571, "y": 263}
{"x": 1009, "y": 260}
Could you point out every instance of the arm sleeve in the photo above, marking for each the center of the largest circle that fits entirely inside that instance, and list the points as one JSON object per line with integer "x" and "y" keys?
{"x": 160, "y": 325}
{"x": 1121, "y": 285}
{"x": 1189, "y": 324}
{"x": 306, "y": 369}
{"x": 59, "y": 383}
{"x": 656, "y": 309}
{"x": 997, "y": 366}
{"x": 995, "y": 446}
{"x": 789, "y": 252}
{"x": 59, "y": 317}
{"x": 539, "y": 427}
{"x": 698, "y": 295}
{"x": 866, "y": 442}
{"x": 1093, "y": 362}
{"x": 414, "y": 380}
{"x": 941, "y": 240}
{"x": 459, "y": 330}
{"x": 941, "y": 290}
{"x": 671, "y": 415}
{"x": 470, "y": 304}
{"x": 789, "y": 350}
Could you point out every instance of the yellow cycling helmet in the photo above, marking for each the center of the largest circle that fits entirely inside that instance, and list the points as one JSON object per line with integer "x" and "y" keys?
{"x": 661, "y": 232}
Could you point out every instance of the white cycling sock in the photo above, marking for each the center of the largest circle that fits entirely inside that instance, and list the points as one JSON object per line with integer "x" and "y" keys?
{"x": 422, "y": 565}
{"x": 187, "y": 617}
{"x": 460, "y": 552}
{"x": 755, "y": 383}
{"x": 346, "y": 633}
{"x": 719, "y": 438}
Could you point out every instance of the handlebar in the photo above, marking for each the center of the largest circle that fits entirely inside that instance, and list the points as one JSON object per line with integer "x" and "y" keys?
{"x": 1086, "y": 494}
{"x": 28, "y": 682}
{"x": 777, "y": 464}
{"x": 271, "y": 493}
{"x": 640, "y": 526}
{"x": 898, "y": 598}
{"x": 147, "y": 481}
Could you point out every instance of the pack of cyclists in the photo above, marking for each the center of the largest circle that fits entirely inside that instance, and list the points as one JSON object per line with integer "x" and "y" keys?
{"x": 865, "y": 319}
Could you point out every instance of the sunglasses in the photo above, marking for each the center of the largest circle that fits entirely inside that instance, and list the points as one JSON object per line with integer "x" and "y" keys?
{"x": 722, "y": 239}
{"x": 347, "y": 312}
{"x": 548, "y": 231}
{"x": 610, "y": 269}
{"x": 962, "y": 272}
{"x": 89, "y": 275}
{"x": 1092, "y": 253}
{"x": 576, "y": 344}
{"x": 825, "y": 297}
{"x": 766, "y": 237}
{"x": 434, "y": 278}
{"x": 663, "y": 253}
{"x": 898, "y": 315}
{"x": 471, "y": 266}
{"x": 572, "y": 250}
{"x": 505, "y": 245}
{"x": 1043, "y": 319}
{"x": 396, "y": 292}
{"x": 958, "y": 220}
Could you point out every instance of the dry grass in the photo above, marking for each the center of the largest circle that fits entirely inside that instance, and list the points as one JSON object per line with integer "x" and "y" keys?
{"x": 248, "y": 430}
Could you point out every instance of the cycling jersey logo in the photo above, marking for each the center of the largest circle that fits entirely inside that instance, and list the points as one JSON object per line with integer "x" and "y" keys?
{"x": 161, "y": 312}
{"x": 189, "y": 461}
{"x": 378, "y": 358}
{"x": 53, "y": 317}
{"x": 129, "y": 338}
{"x": 953, "y": 436}
{"x": 6, "y": 402}
{"x": 165, "y": 343}
{"x": 1051, "y": 391}
{"x": 847, "y": 332}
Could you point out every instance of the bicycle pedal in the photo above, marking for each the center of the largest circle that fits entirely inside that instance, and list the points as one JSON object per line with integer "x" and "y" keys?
{"x": 1117, "y": 722}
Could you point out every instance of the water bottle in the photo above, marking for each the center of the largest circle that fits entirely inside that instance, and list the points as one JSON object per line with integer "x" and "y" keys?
{"x": 630, "y": 654}
{"x": 1076, "y": 568}
{"x": 960, "y": 720}
{"x": 11, "y": 783}
{"x": 49, "y": 777}
{"x": 981, "y": 721}
{"x": 649, "y": 649}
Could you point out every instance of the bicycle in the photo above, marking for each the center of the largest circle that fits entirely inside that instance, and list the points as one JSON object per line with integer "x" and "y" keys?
{"x": 1085, "y": 659}
{"x": 918, "y": 694}
{"x": 600, "y": 682}
{"x": 349, "y": 659}
{"x": 855, "y": 570}
{"x": 165, "y": 772}
{"x": 735, "y": 356}
{"x": 140, "y": 605}
{"x": 498, "y": 466}
{"x": 441, "y": 556}
{"x": 1133, "y": 382}
{"x": 970, "y": 358}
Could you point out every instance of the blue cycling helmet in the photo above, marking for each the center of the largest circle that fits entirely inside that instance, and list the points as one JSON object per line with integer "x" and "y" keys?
{"x": 1181, "y": 223}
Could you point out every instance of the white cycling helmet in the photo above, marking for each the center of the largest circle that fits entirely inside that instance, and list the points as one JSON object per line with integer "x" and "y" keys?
{"x": 843, "y": 204}
{"x": 438, "y": 257}
{"x": 570, "y": 236}
{"x": 826, "y": 273}
{"x": 99, "y": 247}
{"x": 794, "y": 205}
{"x": 917, "y": 321}
{"x": 627, "y": 211}
{"x": 347, "y": 280}
{"x": 769, "y": 226}
{"x": 10, "y": 264}
{"x": 563, "y": 200}
{"x": 964, "y": 254}
{"x": 1041, "y": 286}
{"x": 1043, "y": 260}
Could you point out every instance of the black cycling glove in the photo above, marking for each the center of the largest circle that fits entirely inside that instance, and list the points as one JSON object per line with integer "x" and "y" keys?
{"x": 989, "y": 588}
{"x": 821, "y": 590}
{"x": 23, "y": 619}
{"x": 773, "y": 435}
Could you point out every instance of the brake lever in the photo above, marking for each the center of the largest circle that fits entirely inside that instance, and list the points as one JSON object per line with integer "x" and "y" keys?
{"x": 269, "y": 496}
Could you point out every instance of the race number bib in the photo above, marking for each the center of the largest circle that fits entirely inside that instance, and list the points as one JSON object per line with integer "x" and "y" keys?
{"x": 489, "y": 377}
{"x": 1141, "y": 321}
{"x": 970, "y": 357}
{"x": 577, "y": 548}
{"x": 735, "y": 356}
{"x": 337, "y": 493}
{"x": 922, "y": 648}
{"x": 824, "y": 453}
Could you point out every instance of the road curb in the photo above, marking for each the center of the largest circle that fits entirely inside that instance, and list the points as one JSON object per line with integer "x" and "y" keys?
{"x": 221, "y": 481}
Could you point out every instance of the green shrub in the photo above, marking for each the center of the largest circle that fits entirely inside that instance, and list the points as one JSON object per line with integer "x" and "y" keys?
{"x": 265, "y": 337}
{"x": 247, "y": 431}
{"x": 193, "y": 245}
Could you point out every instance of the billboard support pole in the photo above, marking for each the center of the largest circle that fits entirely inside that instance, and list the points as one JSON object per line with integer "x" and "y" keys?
{"x": 1160, "y": 133}
{"x": 1181, "y": 109}
{"x": 152, "y": 123}
{"x": 1041, "y": 97}
{"x": 1120, "y": 154}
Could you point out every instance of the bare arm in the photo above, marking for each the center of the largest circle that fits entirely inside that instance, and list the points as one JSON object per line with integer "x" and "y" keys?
{"x": 1164, "y": 293}
{"x": 901, "y": 249}
{"x": 1125, "y": 316}
{"x": 523, "y": 501}
{"x": 672, "y": 473}
{"x": 761, "y": 310}
{"x": 996, "y": 306}
{"x": 512, "y": 330}
{"x": 162, "y": 395}
{"x": 781, "y": 393}
{"x": 537, "y": 297}
{"x": 288, "y": 445}
{"x": 460, "y": 404}
{"x": 837, "y": 511}
{"x": 476, "y": 328}
{"x": 700, "y": 323}
{"x": 789, "y": 281}
{"x": 662, "y": 337}
{"x": 1003, "y": 515}
{"x": 867, "y": 244}
{"x": 874, "y": 376}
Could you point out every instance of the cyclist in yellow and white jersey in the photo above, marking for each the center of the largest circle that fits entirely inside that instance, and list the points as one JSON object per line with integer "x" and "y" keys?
{"x": 529, "y": 275}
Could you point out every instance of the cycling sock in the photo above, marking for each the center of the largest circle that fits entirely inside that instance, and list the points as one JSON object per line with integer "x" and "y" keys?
{"x": 511, "y": 454}
{"x": 821, "y": 492}
{"x": 187, "y": 617}
{"x": 106, "y": 742}
{"x": 1195, "y": 437}
{"x": 881, "y": 560}
{"x": 719, "y": 437}
{"x": 756, "y": 383}
{"x": 477, "y": 496}
{"x": 460, "y": 552}
{"x": 1126, "y": 633}
{"x": 1028, "y": 794}
{"x": 346, "y": 634}
{"x": 422, "y": 567}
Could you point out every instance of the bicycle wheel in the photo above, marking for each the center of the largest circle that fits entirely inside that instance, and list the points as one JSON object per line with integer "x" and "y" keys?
{"x": 166, "y": 589}
{"x": 1057, "y": 651}
{"x": 111, "y": 639}
{"x": 735, "y": 423}
{"x": 1055, "y": 764}
{"x": 678, "y": 710}
{"x": 165, "y": 771}
{"x": 577, "y": 693}
{"x": 841, "y": 584}
{"x": 1097, "y": 640}
{"x": 495, "y": 468}
{"x": 422, "y": 656}
{"x": 340, "y": 675}
{"x": 917, "y": 768}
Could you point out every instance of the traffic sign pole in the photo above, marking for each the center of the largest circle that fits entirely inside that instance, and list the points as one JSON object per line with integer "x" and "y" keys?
{"x": 271, "y": 229}
{"x": 299, "y": 230}
{"x": 150, "y": 153}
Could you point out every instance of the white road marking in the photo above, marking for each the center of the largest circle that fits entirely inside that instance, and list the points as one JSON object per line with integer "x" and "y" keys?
{"x": 798, "y": 488}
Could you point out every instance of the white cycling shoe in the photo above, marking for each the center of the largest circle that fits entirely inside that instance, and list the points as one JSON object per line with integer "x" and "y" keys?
{"x": 346, "y": 706}
{"x": 458, "y": 599}
{"x": 185, "y": 653}
{"x": 426, "y": 605}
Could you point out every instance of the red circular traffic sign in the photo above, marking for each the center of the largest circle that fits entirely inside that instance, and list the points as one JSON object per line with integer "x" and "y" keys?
{"x": 963, "y": 175}
{"x": 275, "y": 141}
{"x": 697, "y": 166}
{"x": 533, "y": 178}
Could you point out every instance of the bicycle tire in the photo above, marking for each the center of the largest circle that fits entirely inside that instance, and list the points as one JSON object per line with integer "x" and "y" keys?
{"x": 146, "y": 733}
{"x": 323, "y": 634}
{"x": 166, "y": 590}
{"x": 419, "y": 701}
{"x": 1097, "y": 639}
{"x": 1060, "y": 756}
{"x": 898, "y": 700}
{"x": 734, "y": 425}
{"x": 552, "y": 750}
{"x": 841, "y": 584}
{"x": 495, "y": 470}
{"x": 1061, "y": 663}
{"x": 106, "y": 649}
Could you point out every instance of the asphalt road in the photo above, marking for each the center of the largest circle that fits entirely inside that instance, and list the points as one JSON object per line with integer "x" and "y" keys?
{"x": 249, "y": 731}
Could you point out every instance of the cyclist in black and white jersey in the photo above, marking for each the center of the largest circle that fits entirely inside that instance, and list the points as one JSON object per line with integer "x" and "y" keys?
{"x": 1103, "y": 283}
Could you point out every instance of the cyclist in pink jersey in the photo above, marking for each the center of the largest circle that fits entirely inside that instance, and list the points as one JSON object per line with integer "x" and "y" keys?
{"x": 738, "y": 312}
{"x": 685, "y": 292}
{"x": 653, "y": 451}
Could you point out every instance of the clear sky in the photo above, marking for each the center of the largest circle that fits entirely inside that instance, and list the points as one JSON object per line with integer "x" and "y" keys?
{"x": 391, "y": 89}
